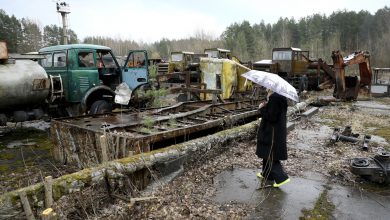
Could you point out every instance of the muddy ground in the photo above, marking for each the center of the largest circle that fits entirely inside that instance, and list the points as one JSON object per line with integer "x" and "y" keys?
{"x": 225, "y": 186}
{"x": 26, "y": 156}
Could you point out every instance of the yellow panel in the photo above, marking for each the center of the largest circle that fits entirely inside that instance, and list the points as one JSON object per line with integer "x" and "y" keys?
{"x": 229, "y": 78}
{"x": 209, "y": 71}
{"x": 229, "y": 73}
{"x": 241, "y": 80}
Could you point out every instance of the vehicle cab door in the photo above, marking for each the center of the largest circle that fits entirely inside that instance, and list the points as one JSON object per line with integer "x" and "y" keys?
{"x": 135, "y": 70}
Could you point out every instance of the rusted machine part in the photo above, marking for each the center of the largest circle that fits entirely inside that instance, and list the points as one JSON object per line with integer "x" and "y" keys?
{"x": 335, "y": 135}
{"x": 348, "y": 138}
{"x": 366, "y": 139}
{"x": 348, "y": 87}
{"x": 375, "y": 169}
{"x": 324, "y": 100}
{"x": 338, "y": 65}
{"x": 327, "y": 80}
{"x": 347, "y": 131}
{"x": 363, "y": 59}
{"x": 347, "y": 135}
{"x": 327, "y": 84}
{"x": 90, "y": 140}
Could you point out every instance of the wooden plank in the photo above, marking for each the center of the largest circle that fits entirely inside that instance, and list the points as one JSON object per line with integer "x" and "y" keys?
{"x": 103, "y": 146}
{"x": 49, "y": 214}
{"x": 48, "y": 183}
{"x": 26, "y": 206}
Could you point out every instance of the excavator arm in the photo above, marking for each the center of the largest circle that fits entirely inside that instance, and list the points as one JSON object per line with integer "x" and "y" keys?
{"x": 348, "y": 87}
{"x": 362, "y": 58}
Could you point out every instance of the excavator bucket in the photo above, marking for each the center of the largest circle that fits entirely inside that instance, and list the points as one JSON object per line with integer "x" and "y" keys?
{"x": 348, "y": 87}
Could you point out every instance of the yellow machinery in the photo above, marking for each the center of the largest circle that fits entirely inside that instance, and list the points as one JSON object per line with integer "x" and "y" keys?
{"x": 204, "y": 76}
{"x": 224, "y": 75}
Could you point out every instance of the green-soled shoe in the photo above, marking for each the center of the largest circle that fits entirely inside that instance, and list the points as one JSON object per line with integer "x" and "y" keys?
{"x": 259, "y": 175}
{"x": 282, "y": 183}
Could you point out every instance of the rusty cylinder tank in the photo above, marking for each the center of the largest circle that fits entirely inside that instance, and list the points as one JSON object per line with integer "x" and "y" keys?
{"x": 23, "y": 83}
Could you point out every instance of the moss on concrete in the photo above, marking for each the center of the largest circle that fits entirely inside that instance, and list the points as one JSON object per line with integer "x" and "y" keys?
{"x": 27, "y": 135}
{"x": 4, "y": 168}
{"x": 322, "y": 210}
{"x": 7, "y": 156}
{"x": 84, "y": 178}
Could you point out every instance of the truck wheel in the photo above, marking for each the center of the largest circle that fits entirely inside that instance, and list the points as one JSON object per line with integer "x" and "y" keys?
{"x": 303, "y": 83}
{"x": 20, "y": 116}
{"x": 100, "y": 107}
{"x": 3, "y": 120}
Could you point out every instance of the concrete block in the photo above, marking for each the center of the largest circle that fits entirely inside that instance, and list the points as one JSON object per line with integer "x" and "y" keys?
{"x": 310, "y": 112}
{"x": 168, "y": 167}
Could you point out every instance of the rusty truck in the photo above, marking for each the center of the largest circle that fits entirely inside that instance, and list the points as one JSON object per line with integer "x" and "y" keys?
{"x": 66, "y": 80}
{"x": 293, "y": 65}
{"x": 305, "y": 73}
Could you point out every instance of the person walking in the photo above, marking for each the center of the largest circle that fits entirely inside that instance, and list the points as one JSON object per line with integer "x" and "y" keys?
{"x": 271, "y": 138}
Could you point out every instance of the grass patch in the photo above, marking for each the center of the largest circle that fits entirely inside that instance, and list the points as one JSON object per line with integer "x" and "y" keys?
{"x": 7, "y": 156}
{"x": 332, "y": 121}
{"x": 322, "y": 210}
{"x": 3, "y": 168}
{"x": 147, "y": 125}
{"x": 172, "y": 122}
{"x": 374, "y": 187}
{"x": 27, "y": 134}
{"x": 382, "y": 131}
{"x": 383, "y": 100}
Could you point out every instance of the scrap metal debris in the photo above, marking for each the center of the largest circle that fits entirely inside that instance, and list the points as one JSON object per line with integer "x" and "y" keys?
{"x": 375, "y": 169}
{"x": 347, "y": 135}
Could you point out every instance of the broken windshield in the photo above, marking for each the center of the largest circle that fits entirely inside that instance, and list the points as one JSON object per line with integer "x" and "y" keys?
{"x": 281, "y": 55}
{"x": 177, "y": 57}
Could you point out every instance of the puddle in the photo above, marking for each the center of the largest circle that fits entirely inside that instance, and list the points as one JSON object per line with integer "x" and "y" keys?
{"x": 373, "y": 107}
{"x": 372, "y": 104}
{"x": 306, "y": 139}
{"x": 14, "y": 144}
{"x": 352, "y": 203}
{"x": 287, "y": 202}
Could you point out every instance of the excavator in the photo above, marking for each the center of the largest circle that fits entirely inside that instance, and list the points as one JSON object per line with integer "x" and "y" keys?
{"x": 304, "y": 73}
{"x": 347, "y": 87}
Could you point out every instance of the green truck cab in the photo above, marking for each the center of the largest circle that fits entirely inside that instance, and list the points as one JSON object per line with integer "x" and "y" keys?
{"x": 84, "y": 76}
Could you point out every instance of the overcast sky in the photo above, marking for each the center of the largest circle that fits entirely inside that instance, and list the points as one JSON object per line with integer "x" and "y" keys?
{"x": 151, "y": 20}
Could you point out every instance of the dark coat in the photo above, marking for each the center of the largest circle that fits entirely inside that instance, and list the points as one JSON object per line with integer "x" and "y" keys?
{"x": 272, "y": 132}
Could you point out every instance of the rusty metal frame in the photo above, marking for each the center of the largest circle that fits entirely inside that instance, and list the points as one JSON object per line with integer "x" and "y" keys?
{"x": 77, "y": 139}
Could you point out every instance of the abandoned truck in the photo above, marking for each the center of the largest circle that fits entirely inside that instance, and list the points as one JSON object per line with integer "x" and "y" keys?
{"x": 204, "y": 75}
{"x": 180, "y": 61}
{"x": 69, "y": 80}
{"x": 293, "y": 65}
{"x": 304, "y": 73}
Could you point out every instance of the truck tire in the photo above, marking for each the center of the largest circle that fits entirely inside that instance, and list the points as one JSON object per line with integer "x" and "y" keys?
{"x": 303, "y": 83}
{"x": 3, "y": 120}
{"x": 20, "y": 116}
{"x": 100, "y": 107}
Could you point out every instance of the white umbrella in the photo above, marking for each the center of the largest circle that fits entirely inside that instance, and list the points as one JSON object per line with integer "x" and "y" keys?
{"x": 274, "y": 82}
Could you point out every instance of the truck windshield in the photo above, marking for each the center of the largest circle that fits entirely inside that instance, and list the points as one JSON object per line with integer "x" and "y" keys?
{"x": 212, "y": 54}
{"x": 177, "y": 57}
{"x": 281, "y": 55}
{"x": 105, "y": 59}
